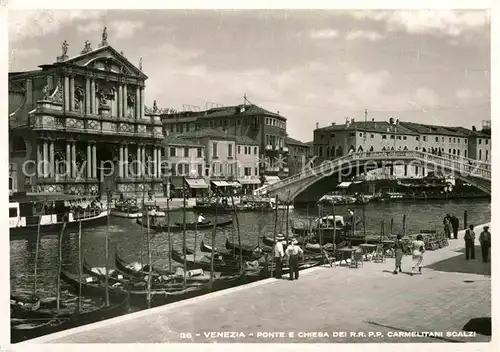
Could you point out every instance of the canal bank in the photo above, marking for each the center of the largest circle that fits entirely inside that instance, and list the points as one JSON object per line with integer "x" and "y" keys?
{"x": 369, "y": 301}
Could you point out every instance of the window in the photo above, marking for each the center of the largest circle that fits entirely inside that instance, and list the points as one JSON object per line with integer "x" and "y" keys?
{"x": 172, "y": 128}
{"x": 248, "y": 171}
{"x": 180, "y": 168}
{"x": 12, "y": 212}
{"x": 458, "y": 140}
{"x": 214, "y": 150}
{"x": 465, "y": 141}
{"x": 454, "y": 151}
{"x": 172, "y": 151}
{"x": 245, "y": 150}
{"x": 256, "y": 172}
{"x": 173, "y": 169}
{"x": 458, "y": 152}
{"x": 186, "y": 152}
{"x": 465, "y": 152}
{"x": 404, "y": 138}
{"x": 255, "y": 150}
{"x": 200, "y": 169}
{"x": 480, "y": 141}
{"x": 392, "y": 136}
{"x": 200, "y": 153}
{"x": 480, "y": 154}
{"x": 399, "y": 137}
{"x": 361, "y": 134}
{"x": 230, "y": 150}
{"x": 384, "y": 136}
{"x": 449, "y": 139}
{"x": 437, "y": 139}
{"x": 352, "y": 134}
{"x": 214, "y": 170}
{"x": 486, "y": 155}
{"x": 486, "y": 141}
{"x": 417, "y": 138}
{"x": 449, "y": 151}
{"x": 371, "y": 136}
{"x": 186, "y": 169}
{"x": 425, "y": 138}
{"x": 239, "y": 149}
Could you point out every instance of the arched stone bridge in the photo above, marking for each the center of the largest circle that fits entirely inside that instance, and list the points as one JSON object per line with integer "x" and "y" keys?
{"x": 469, "y": 170}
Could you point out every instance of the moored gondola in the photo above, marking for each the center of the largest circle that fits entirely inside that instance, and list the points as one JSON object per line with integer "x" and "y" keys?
{"x": 189, "y": 226}
{"x": 246, "y": 250}
{"x": 204, "y": 262}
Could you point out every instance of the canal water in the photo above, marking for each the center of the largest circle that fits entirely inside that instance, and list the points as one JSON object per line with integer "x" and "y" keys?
{"x": 125, "y": 236}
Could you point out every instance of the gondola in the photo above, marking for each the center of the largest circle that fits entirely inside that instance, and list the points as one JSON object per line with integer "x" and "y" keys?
{"x": 189, "y": 226}
{"x": 27, "y": 329}
{"x": 225, "y": 253}
{"x": 204, "y": 262}
{"x": 245, "y": 249}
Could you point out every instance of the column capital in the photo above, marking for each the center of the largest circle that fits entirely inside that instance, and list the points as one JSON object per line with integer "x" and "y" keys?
{"x": 66, "y": 71}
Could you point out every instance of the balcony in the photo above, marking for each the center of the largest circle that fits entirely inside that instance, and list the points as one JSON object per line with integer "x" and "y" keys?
{"x": 269, "y": 147}
{"x": 276, "y": 147}
{"x": 285, "y": 149}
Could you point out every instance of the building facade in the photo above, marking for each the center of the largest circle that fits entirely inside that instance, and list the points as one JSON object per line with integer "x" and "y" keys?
{"x": 80, "y": 126}
{"x": 299, "y": 155}
{"x": 338, "y": 140}
{"x": 266, "y": 128}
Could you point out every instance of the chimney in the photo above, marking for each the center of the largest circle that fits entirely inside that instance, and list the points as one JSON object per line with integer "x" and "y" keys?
{"x": 474, "y": 128}
{"x": 333, "y": 123}
{"x": 373, "y": 119}
{"x": 317, "y": 125}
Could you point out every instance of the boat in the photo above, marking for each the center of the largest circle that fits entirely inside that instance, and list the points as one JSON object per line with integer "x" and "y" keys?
{"x": 343, "y": 229}
{"x": 128, "y": 209}
{"x": 246, "y": 250}
{"x": 26, "y": 329}
{"x": 51, "y": 210}
{"x": 204, "y": 262}
{"x": 189, "y": 226}
{"x": 225, "y": 253}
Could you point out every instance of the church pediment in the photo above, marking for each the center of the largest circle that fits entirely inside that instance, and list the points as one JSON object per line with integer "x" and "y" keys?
{"x": 107, "y": 59}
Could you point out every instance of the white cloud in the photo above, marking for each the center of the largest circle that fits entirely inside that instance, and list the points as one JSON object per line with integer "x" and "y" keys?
{"x": 468, "y": 95}
{"x": 24, "y": 24}
{"x": 448, "y": 22}
{"x": 323, "y": 34}
{"x": 90, "y": 27}
{"x": 25, "y": 52}
{"x": 369, "y": 35}
{"x": 116, "y": 29}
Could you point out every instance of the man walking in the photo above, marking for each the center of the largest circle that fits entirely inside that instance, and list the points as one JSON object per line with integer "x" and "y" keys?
{"x": 455, "y": 223}
{"x": 278, "y": 257}
{"x": 293, "y": 252}
{"x": 447, "y": 225}
{"x": 469, "y": 238}
{"x": 485, "y": 240}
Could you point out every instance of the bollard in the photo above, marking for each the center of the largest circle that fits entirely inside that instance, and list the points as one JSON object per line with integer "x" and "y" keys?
{"x": 465, "y": 219}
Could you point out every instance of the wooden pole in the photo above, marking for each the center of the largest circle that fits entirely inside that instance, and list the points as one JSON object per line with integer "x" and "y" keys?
{"x": 168, "y": 228}
{"x": 80, "y": 266}
{"x": 334, "y": 228}
{"x": 38, "y": 249}
{"x": 404, "y": 225}
{"x": 195, "y": 244}
{"x": 106, "y": 238}
{"x": 214, "y": 231}
{"x": 392, "y": 224}
{"x": 237, "y": 231}
{"x": 465, "y": 219}
{"x": 59, "y": 267}
{"x": 274, "y": 235}
{"x": 184, "y": 231}
{"x": 287, "y": 214}
{"x": 144, "y": 212}
{"x": 364, "y": 221}
{"x": 150, "y": 264}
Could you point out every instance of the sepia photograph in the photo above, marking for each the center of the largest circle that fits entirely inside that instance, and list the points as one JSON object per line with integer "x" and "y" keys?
{"x": 249, "y": 176}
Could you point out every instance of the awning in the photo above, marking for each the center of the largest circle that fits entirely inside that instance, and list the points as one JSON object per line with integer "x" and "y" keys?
{"x": 177, "y": 181}
{"x": 221, "y": 183}
{"x": 234, "y": 184}
{"x": 196, "y": 183}
{"x": 249, "y": 181}
{"x": 272, "y": 179}
{"x": 344, "y": 184}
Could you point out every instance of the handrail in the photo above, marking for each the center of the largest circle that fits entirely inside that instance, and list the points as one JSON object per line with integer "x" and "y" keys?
{"x": 455, "y": 164}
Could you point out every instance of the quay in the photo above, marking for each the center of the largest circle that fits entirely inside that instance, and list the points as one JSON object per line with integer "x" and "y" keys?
{"x": 369, "y": 302}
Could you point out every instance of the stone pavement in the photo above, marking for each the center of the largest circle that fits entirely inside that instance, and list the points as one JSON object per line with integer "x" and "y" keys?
{"x": 339, "y": 300}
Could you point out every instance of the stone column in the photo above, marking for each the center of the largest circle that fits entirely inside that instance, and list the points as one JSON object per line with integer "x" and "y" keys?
{"x": 138, "y": 163}
{"x": 87, "y": 97}
{"x": 154, "y": 171}
{"x": 143, "y": 160}
{"x": 66, "y": 93}
{"x": 125, "y": 100}
{"x": 115, "y": 103}
{"x": 121, "y": 163}
{"x": 158, "y": 170}
{"x": 89, "y": 161}
{"x": 73, "y": 160}
{"x": 142, "y": 102}
{"x": 94, "y": 161}
{"x": 137, "y": 104}
{"x": 52, "y": 166}
{"x": 68, "y": 160}
{"x": 72, "y": 93}
{"x": 119, "y": 101}
{"x": 92, "y": 97}
{"x": 45, "y": 159}
{"x": 125, "y": 163}
{"x": 39, "y": 159}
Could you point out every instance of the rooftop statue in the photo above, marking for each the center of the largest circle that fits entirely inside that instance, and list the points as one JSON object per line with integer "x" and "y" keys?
{"x": 65, "y": 47}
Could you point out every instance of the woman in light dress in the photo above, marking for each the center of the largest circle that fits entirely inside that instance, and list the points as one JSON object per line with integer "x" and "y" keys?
{"x": 418, "y": 249}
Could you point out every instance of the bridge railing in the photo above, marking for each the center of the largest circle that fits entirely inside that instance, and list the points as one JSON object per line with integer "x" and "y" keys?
{"x": 458, "y": 164}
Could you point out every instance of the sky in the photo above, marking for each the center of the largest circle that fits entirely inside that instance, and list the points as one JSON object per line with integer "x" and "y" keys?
{"x": 313, "y": 66}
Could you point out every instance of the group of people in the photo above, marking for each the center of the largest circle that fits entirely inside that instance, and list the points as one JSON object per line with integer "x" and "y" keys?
{"x": 292, "y": 253}
{"x": 451, "y": 225}
{"x": 484, "y": 241}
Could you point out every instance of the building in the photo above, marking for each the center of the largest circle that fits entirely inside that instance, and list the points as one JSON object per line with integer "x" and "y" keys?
{"x": 266, "y": 128}
{"x": 338, "y": 140}
{"x": 230, "y": 161}
{"x": 299, "y": 154}
{"x": 80, "y": 126}
{"x": 183, "y": 168}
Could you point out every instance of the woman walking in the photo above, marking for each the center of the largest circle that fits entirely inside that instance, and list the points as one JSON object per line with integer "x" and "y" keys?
{"x": 398, "y": 251}
{"x": 418, "y": 249}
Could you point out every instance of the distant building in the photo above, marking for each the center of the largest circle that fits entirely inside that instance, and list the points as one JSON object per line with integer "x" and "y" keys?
{"x": 356, "y": 136}
{"x": 266, "y": 128}
{"x": 299, "y": 155}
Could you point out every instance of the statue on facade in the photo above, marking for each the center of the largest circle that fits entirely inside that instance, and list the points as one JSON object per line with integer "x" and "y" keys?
{"x": 45, "y": 91}
{"x": 130, "y": 100}
{"x": 65, "y": 47}
{"x": 101, "y": 96}
{"x": 104, "y": 37}
{"x": 122, "y": 53}
{"x": 140, "y": 64}
{"x": 87, "y": 47}
{"x": 155, "y": 107}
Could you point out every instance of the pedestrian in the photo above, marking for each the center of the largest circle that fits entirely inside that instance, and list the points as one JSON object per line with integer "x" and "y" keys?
{"x": 399, "y": 251}
{"x": 470, "y": 237}
{"x": 418, "y": 249}
{"x": 278, "y": 257}
{"x": 447, "y": 225}
{"x": 485, "y": 241}
{"x": 293, "y": 252}
{"x": 455, "y": 224}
